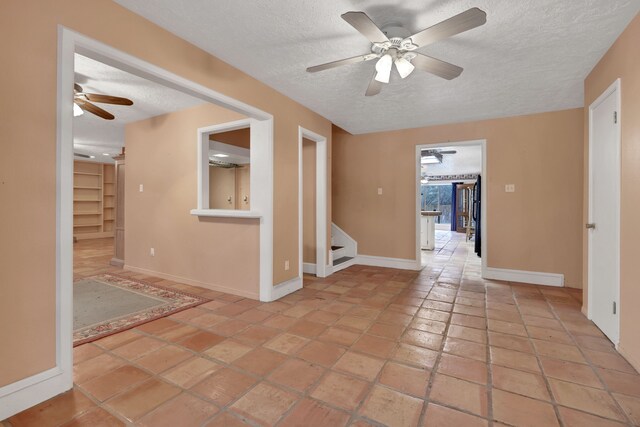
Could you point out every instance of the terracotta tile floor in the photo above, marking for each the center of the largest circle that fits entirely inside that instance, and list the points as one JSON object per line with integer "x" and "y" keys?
{"x": 364, "y": 347}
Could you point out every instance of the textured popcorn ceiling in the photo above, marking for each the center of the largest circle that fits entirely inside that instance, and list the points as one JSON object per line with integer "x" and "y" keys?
{"x": 95, "y": 136}
{"x": 531, "y": 55}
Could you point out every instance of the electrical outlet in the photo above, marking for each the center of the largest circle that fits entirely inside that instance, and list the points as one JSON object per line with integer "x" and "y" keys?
{"x": 152, "y": 252}
{"x": 379, "y": 191}
{"x": 141, "y": 188}
{"x": 286, "y": 265}
{"x": 510, "y": 188}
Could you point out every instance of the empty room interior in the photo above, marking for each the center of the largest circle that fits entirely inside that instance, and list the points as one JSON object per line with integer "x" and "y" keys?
{"x": 298, "y": 213}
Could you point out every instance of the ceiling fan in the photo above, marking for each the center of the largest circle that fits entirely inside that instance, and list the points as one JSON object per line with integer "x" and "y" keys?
{"x": 394, "y": 45}
{"x": 433, "y": 156}
{"x": 84, "y": 102}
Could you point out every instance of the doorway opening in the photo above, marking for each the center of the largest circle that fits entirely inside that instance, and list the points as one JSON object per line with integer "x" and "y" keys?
{"x": 450, "y": 201}
{"x": 110, "y": 103}
{"x": 312, "y": 203}
{"x": 106, "y": 100}
{"x": 59, "y": 378}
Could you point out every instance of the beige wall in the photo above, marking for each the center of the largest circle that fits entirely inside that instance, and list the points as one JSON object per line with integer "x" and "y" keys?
{"x": 216, "y": 253}
{"x": 243, "y": 187}
{"x": 308, "y": 201}
{"x": 27, "y": 166}
{"x": 622, "y": 61}
{"x": 222, "y": 186}
{"x": 233, "y": 182}
{"x": 229, "y": 182}
{"x": 533, "y": 229}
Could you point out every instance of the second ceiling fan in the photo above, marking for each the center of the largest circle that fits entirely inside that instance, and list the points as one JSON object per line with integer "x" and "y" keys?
{"x": 84, "y": 102}
{"x": 394, "y": 45}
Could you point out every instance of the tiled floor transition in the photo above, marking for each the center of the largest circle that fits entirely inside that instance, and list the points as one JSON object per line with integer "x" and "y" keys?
{"x": 364, "y": 347}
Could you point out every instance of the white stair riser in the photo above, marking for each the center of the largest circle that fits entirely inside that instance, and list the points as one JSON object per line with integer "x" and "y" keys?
{"x": 339, "y": 253}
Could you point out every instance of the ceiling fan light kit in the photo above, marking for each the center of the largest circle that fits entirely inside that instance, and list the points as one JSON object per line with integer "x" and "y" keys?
{"x": 393, "y": 44}
{"x": 383, "y": 68}
{"x": 404, "y": 67}
{"x": 77, "y": 111}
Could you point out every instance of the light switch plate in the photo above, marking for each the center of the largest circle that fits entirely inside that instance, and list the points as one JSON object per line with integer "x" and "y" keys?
{"x": 510, "y": 188}
{"x": 141, "y": 188}
{"x": 379, "y": 191}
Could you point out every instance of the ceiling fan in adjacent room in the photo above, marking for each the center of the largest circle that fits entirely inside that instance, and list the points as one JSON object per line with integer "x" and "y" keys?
{"x": 433, "y": 156}
{"x": 83, "y": 101}
{"x": 394, "y": 45}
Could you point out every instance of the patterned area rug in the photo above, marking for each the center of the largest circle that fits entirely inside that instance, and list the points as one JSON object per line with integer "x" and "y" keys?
{"x": 108, "y": 304}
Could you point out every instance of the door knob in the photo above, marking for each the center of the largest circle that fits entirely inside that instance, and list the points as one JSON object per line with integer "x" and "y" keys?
{"x": 590, "y": 225}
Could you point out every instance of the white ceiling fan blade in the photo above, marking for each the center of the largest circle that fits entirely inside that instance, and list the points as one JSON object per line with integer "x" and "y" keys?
{"x": 365, "y": 26}
{"x": 374, "y": 87}
{"x": 341, "y": 62}
{"x": 435, "y": 66}
{"x": 460, "y": 23}
{"x": 383, "y": 68}
{"x": 404, "y": 67}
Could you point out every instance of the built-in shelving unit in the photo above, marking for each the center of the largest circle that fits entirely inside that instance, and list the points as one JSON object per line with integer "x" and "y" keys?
{"x": 93, "y": 200}
{"x": 108, "y": 197}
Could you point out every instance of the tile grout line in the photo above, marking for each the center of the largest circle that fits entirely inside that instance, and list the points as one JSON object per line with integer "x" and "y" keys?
{"x": 442, "y": 344}
{"x": 535, "y": 354}
{"x": 593, "y": 368}
{"x": 425, "y": 398}
{"x": 158, "y": 376}
{"x": 464, "y": 268}
{"x": 553, "y": 402}
{"x": 354, "y": 413}
{"x": 489, "y": 360}
{"x": 328, "y": 369}
{"x": 489, "y": 385}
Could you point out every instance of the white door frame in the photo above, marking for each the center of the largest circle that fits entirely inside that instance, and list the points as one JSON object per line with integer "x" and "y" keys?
{"x": 483, "y": 195}
{"x": 321, "y": 267}
{"x": 41, "y": 386}
{"x": 614, "y": 88}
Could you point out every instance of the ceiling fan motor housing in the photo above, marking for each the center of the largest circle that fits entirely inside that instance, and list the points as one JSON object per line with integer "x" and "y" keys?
{"x": 393, "y": 31}
{"x": 399, "y": 40}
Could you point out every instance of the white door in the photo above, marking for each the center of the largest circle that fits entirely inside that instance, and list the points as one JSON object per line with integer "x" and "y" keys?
{"x": 604, "y": 212}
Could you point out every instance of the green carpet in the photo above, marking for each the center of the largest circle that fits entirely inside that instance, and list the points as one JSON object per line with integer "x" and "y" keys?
{"x": 96, "y": 302}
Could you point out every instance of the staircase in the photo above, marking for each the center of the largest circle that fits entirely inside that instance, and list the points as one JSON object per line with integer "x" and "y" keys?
{"x": 343, "y": 249}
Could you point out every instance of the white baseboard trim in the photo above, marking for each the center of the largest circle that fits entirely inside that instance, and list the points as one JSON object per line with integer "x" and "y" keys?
{"x": 328, "y": 270}
{"x": 285, "y": 288}
{"x": 520, "y": 276}
{"x": 24, "y": 394}
{"x": 343, "y": 265}
{"x": 308, "y": 268}
{"x": 378, "y": 261}
{"x": 213, "y": 287}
